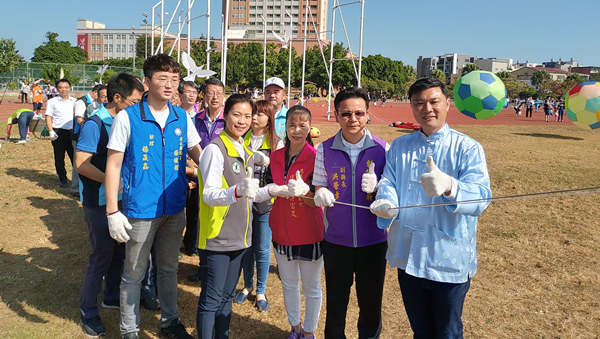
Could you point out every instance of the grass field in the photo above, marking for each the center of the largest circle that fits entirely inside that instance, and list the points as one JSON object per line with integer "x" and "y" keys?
{"x": 538, "y": 276}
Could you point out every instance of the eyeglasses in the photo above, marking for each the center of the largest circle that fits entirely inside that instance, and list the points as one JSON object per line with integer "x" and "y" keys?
{"x": 191, "y": 92}
{"x": 130, "y": 102}
{"x": 214, "y": 94}
{"x": 358, "y": 115}
{"x": 163, "y": 81}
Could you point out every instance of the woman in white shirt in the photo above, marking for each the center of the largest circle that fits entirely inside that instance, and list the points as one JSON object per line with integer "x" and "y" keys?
{"x": 228, "y": 190}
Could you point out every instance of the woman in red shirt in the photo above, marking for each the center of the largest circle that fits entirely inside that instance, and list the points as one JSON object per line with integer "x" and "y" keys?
{"x": 297, "y": 225}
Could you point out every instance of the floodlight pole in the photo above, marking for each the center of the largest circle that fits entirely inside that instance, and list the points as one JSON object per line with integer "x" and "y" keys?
{"x": 145, "y": 34}
{"x": 304, "y": 54}
{"x": 290, "y": 60}
{"x": 134, "y": 45}
{"x": 265, "y": 52}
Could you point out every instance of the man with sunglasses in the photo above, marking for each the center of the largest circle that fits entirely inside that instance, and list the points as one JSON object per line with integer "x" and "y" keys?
{"x": 149, "y": 141}
{"x": 106, "y": 259}
{"x": 347, "y": 168}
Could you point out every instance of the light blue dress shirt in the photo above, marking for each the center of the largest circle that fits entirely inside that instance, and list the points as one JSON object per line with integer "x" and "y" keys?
{"x": 436, "y": 243}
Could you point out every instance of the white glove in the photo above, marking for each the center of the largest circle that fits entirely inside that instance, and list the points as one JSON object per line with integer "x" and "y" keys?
{"x": 297, "y": 187}
{"x": 382, "y": 209}
{"x": 248, "y": 186}
{"x": 436, "y": 182}
{"x": 324, "y": 198}
{"x": 261, "y": 159}
{"x": 121, "y": 186}
{"x": 369, "y": 180}
{"x": 118, "y": 226}
{"x": 278, "y": 191}
{"x": 53, "y": 135}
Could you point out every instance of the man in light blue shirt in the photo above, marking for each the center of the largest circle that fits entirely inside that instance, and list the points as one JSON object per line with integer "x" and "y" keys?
{"x": 434, "y": 248}
{"x": 275, "y": 94}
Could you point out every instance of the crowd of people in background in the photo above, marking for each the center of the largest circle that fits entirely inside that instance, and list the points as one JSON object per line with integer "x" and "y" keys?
{"x": 552, "y": 108}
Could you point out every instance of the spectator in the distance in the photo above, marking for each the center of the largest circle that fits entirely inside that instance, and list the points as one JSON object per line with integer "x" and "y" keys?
{"x": 59, "y": 120}
{"x": 25, "y": 89}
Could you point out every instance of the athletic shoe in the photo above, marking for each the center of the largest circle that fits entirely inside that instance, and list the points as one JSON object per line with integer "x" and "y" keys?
{"x": 111, "y": 304}
{"x": 175, "y": 331}
{"x": 92, "y": 327}
{"x": 294, "y": 334}
{"x": 311, "y": 337}
{"x": 132, "y": 335}
{"x": 152, "y": 304}
{"x": 64, "y": 183}
{"x": 21, "y": 142}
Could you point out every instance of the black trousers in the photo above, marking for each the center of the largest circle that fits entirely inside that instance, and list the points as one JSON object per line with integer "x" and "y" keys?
{"x": 529, "y": 112}
{"x": 61, "y": 145}
{"x": 343, "y": 265}
{"x": 191, "y": 227}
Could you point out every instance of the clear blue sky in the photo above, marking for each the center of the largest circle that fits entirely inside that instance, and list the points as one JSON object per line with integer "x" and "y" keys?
{"x": 403, "y": 30}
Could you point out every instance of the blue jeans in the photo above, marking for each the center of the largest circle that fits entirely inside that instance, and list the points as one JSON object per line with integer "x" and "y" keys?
{"x": 220, "y": 272}
{"x": 165, "y": 234}
{"x": 260, "y": 251}
{"x": 434, "y": 309}
{"x": 24, "y": 120}
{"x": 106, "y": 261}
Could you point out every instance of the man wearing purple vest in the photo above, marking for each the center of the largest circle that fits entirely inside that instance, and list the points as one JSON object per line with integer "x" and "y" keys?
{"x": 347, "y": 168}
{"x": 210, "y": 122}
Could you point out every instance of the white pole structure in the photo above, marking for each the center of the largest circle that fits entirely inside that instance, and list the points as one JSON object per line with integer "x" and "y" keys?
{"x": 265, "y": 52}
{"x": 331, "y": 44}
{"x": 189, "y": 31}
{"x": 290, "y": 60}
{"x": 162, "y": 39}
{"x": 224, "y": 53}
{"x": 162, "y": 26}
{"x": 208, "y": 35}
{"x": 306, "y": 11}
{"x": 362, "y": 24}
{"x": 153, "y": 27}
{"x": 180, "y": 26}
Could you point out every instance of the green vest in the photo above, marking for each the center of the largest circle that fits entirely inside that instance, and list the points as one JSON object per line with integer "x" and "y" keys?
{"x": 226, "y": 228}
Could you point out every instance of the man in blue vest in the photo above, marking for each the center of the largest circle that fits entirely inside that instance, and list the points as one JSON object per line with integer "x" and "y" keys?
{"x": 149, "y": 141}
{"x": 106, "y": 260}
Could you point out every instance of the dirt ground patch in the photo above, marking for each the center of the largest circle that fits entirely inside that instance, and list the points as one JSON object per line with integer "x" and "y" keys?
{"x": 538, "y": 274}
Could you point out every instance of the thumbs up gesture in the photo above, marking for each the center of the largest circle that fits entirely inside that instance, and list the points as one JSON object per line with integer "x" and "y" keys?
{"x": 248, "y": 186}
{"x": 369, "y": 180}
{"x": 297, "y": 187}
{"x": 436, "y": 182}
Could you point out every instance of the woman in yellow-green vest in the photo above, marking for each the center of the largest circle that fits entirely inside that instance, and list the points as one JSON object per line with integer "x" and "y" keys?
{"x": 227, "y": 191}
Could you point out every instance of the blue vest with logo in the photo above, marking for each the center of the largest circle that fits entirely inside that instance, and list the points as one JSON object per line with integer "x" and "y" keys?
{"x": 154, "y": 163}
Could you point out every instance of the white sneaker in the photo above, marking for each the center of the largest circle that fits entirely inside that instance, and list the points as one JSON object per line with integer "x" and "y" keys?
{"x": 21, "y": 142}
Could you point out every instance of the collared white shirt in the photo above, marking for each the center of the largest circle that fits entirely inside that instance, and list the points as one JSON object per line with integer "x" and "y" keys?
{"x": 61, "y": 112}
